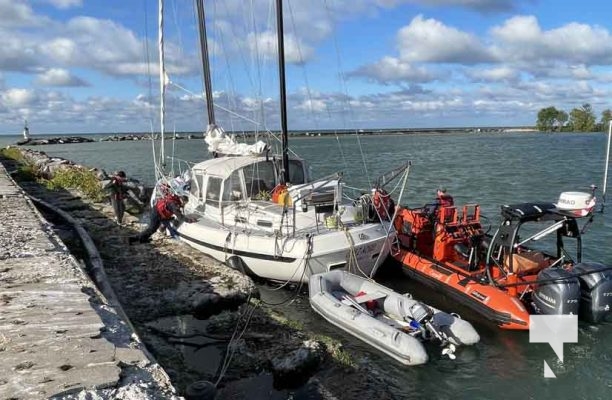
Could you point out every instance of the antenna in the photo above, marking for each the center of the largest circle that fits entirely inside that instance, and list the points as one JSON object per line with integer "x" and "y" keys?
{"x": 605, "y": 179}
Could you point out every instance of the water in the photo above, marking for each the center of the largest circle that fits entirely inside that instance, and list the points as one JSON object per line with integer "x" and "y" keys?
{"x": 490, "y": 169}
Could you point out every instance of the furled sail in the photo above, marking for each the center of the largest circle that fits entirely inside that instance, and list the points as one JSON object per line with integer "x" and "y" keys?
{"x": 221, "y": 143}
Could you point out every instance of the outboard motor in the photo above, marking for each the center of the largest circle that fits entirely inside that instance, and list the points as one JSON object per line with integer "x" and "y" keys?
{"x": 559, "y": 295}
{"x": 596, "y": 291}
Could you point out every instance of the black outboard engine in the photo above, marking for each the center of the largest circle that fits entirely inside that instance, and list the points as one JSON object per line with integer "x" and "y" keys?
{"x": 558, "y": 295}
{"x": 596, "y": 291}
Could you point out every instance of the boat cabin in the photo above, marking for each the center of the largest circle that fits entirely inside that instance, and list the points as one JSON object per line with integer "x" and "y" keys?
{"x": 222, "y": 181}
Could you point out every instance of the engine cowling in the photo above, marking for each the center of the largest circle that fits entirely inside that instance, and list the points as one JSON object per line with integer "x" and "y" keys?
{"x": 558, "y": 295}
{"x": 596, "y": 291}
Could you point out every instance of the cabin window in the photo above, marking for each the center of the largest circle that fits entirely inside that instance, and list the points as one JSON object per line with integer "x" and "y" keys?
{"x": 232, "y": 187}
{"x": 259, "y": 179}
{"x": 196, "y": 188}
{"x": 212, "y": 191}
{"x": 296, "y": 172}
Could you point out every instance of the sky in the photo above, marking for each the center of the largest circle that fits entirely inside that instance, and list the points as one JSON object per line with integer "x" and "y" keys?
{"x": 79, "y": 66}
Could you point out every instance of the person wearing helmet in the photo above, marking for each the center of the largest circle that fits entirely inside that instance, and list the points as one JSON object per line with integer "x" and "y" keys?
{"x": 164, "y": 210}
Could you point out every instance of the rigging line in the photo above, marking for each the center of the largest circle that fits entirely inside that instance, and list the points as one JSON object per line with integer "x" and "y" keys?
{"x": 296, "y": 292}
{"x": 258, "y": 68}
{"x": 148, "y": 62}
{"x": 231, "y": 347}
{"x": 242, "y": 52}
{"x": 162, "y": 79}
{"x": 345, "y": 92}
{"x": 196, "y": 95}
{"x": 303, "y": 67}
{"x": 272, "y": 134}
{"x": 150, "y": 86}
{"x": 230, "y": 77}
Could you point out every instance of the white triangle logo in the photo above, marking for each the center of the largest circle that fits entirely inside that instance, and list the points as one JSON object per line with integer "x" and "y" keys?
{"x": 548, "y": 372}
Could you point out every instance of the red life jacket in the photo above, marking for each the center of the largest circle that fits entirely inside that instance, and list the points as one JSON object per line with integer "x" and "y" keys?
{"x": 383, "y": 203}
{"x": 162, "y": 206}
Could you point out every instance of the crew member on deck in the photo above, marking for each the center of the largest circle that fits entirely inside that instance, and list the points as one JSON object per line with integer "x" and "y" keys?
{"x": 164, "y": 209}
{"x": 443, "y": 199}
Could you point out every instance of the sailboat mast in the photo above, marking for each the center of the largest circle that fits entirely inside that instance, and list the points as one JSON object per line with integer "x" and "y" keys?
{"x": 283, "y": 94}
{"x": 205, "y": 63}
{"x": 162, "y": 82}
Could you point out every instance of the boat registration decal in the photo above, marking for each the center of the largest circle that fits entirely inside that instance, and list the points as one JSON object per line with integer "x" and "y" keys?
{"x": 479, "y": 295}
{"x": 363, "y": 251}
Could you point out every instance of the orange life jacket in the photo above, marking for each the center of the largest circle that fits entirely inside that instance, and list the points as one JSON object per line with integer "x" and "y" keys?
{"x": 162, "y": 206}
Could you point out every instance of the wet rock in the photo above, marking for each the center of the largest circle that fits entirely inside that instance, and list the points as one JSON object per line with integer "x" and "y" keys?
{"x": 201, "y": 390}
{"x": 295, "y": 369}
{"x": 209, "y": 304}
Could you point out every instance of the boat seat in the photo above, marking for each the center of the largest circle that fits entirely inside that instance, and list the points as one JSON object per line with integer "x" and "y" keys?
{"x": 365, "y": 297}
{"x": 527, "y": 262}
{"x": 462, "y": 249}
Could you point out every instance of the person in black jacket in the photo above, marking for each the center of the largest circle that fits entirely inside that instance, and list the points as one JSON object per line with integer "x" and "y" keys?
{"x": 118, "y": 192}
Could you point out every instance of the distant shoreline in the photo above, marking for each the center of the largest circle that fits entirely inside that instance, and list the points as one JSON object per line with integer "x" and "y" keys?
{"x": 129, "y": 136}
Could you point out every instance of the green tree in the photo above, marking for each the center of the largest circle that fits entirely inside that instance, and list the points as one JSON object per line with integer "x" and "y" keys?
{"x": 582, "y": 119}
{"x": 550, "y": 119}
{"x": 606, "y": 117}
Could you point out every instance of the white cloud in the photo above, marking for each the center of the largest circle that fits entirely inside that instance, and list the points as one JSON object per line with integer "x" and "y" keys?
{"x": 16, "y": 97}
{"x": 18, "y": 13}
{"x": 265, "y": 44}
{"x": 59, "y": 77}
{"x": 64, "y": 4}
{"x": 17, "y": 53}
{"x": 61, "y": 49}
{"x": 390, "y": 69}
{"x": 522, "y": 39}
{"x": 312, "y": 105}
{"x": 429, "y": 40}
{"x": 496, "y": 74}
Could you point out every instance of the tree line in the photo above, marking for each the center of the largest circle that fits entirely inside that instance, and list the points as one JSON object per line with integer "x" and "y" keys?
{"x": 580, "y": 119}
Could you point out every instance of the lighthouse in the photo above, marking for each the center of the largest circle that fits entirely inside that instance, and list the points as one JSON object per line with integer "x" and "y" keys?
{"x": 26, "y": 131}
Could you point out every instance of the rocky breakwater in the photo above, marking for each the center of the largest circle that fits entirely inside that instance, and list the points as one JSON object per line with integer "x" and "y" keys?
{"x": 203, "y": 321}
{"x": 134, "y": 137}
{"x": 122, "y": 138}
{"x": 54, "y": 140}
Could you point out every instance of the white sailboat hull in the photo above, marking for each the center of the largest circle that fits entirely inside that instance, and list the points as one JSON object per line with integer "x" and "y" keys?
{"x": 360, "y": 249}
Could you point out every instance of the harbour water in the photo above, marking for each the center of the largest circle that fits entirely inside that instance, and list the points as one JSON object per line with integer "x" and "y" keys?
{"x": 486, "y": 168}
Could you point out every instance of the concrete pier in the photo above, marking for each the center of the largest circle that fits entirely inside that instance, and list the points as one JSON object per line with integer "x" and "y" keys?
{"x": 59, "y": 337}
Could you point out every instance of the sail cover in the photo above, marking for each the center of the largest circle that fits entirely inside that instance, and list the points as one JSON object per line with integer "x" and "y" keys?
{"x": 221, "y": 143}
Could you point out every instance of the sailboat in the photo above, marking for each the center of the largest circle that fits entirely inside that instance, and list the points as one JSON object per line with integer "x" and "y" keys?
{"x": 264, "y": 215}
